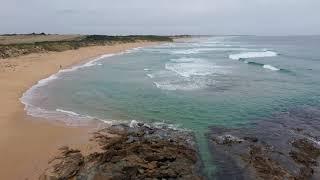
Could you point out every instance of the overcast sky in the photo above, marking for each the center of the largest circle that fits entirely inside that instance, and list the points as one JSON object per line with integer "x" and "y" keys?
{"x": 259, "y": 17}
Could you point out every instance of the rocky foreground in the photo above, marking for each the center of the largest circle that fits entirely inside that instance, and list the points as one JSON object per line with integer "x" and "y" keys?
{"x": 284, "y": 147}
{"x": 138, "y": 152}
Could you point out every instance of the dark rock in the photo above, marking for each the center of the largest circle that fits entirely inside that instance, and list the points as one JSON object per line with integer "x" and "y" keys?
{"x": 283, "y": 147}
{"x": 266, "y": 167}
{"x": 306, "y": 153}
{"x": 134, "y": 153}
{"x": 132, "y": 139}
{"x": 307, "y": 147}
{"x": 305, "y": 173}
{"x": 227, "y": 139}
{"x": 252, "y": 139}
{"x": 302, "y": 158}
{"x": 65, "y": 165}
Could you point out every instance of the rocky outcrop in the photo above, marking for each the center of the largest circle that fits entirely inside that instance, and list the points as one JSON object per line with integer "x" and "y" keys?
{"x": 64, "y": 166}
{"x": 283, "y": 147}
{"x": 138, "y": 152}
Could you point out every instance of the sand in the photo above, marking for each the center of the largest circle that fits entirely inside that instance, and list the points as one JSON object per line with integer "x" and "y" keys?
{"x": 27, "y": 143}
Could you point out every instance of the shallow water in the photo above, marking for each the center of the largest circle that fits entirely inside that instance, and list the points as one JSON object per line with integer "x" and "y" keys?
{"x": 219, "y": 80}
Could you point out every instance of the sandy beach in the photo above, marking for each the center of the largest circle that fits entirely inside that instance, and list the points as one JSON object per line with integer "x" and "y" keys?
{"x": 27, "y": 143}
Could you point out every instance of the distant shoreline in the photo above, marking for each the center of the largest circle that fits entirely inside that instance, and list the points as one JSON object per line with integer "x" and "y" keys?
{"x": 26, "y": 143}
{"x": 23, "y": 44}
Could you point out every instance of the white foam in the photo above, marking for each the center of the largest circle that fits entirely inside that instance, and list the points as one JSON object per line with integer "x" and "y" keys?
{"x": 185, "y": 60}
{"x": 133, "y": 124}
{"x": 160, "y": 125}
{"x": 313, "y": 140}
{"x": 187, "y": 74}
{"x": 150, "y": 75}
{"x": 186, "y": 51}
{"x": 167, "y": 45}
{"x": 68, "y": 117}
{"x": 211, "y": 42}
{"x": 247, "y": 55}
{"x": 170, "y": 86}
{"x": 200, "y": 50}
{"x": 163, "y": 125}
{"x": 272, "y": 68}
{"x": 68, "y": 112}
{"x": 189, "y": 69}
{"x": 194, "y": 67}
{"x": 206, "y": 45}
{"x": 216, "y": 45}
{"x": 162, "y": 74}
{"x": 229, "y": 49}
{"x": 185, "y": 84}
{"x": 133, "y": 50}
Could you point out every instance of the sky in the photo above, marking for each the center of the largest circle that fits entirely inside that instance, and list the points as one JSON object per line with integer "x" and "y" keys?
{"x": 162, "y": 17}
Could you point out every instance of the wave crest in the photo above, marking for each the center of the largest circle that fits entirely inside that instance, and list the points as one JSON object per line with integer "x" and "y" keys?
{"x": 248, "y": 55}
{"x": 68, "y": 112}
{"x": 272, "y": 68}
{"x": 187, "y": 67}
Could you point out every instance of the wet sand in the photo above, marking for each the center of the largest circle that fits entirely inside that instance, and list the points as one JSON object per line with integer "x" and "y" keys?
{"x": 27, "y": 143}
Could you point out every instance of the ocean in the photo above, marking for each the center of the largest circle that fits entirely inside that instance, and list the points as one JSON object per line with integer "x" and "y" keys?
{"x": 229, "y": 81}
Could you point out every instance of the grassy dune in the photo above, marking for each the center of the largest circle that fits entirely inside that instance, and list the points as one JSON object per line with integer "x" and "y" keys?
{"x": 16, "y": 45}
{"x": 32, "y": 38}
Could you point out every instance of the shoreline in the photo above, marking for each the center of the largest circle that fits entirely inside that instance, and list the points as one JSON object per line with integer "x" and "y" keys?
{"x": 37, "y": 111}
{"x": 27, "y": 143}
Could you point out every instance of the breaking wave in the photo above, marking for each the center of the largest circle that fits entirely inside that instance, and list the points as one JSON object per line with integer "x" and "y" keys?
{"x": 265, "y": 66}
{"x": 248, "y": 55}
{"x": 187, "y": 74}
{"x": 193, "y": 67}
{"x": 184, "y": 60}
{"x": 272, "y": 68}
{"x": 67, "y": 112}
{"x": 68, "y": 117}
{"x": 150, "y": 75}
{"x": 184, "y": 84}
{"x": 200, "y": 50}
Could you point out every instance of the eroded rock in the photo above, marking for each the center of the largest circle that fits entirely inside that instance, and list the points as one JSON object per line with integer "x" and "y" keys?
{"x": 137, "y": 152}
{"x": 64, "y": 166}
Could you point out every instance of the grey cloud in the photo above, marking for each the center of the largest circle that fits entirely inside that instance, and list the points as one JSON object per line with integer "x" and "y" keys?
{"x": 266, "y": 17}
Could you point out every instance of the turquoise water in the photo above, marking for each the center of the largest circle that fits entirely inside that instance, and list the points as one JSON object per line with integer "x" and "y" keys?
{"x": 219, "y": 80}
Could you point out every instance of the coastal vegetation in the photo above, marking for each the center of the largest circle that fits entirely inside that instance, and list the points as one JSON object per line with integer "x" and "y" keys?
{"x": 16, "y": 45}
